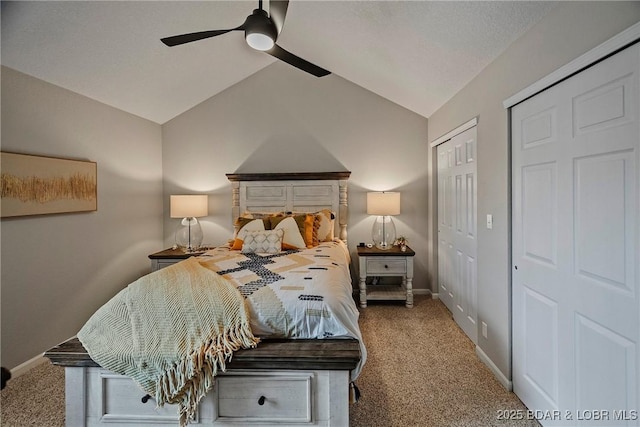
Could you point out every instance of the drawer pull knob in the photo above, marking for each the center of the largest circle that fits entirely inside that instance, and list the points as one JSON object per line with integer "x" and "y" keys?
{"x": 386, "y": 266}
{"x": 261, "y": 400}
{"x": 145, "y": 398}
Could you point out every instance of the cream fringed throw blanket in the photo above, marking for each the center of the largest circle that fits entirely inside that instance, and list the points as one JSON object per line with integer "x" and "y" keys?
{"x": 171, "y": 331}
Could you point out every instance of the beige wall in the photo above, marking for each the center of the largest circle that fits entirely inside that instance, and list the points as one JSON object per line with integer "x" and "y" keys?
{"x": 58, "y": 269}
{"x": 568, "y": 31}
{"x": 283, "y": 120}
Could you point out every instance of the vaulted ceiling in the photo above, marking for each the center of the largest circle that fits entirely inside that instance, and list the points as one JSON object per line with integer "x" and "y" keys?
{"x": 417, "y": 54}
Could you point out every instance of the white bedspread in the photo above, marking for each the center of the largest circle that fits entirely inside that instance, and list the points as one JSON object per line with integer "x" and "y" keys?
{"x": 295, "y": 294}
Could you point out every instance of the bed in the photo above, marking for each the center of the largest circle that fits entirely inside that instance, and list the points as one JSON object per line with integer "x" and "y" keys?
{"x": 292, "y": 377}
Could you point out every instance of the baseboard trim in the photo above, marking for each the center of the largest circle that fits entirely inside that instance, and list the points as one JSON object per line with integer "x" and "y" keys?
{"x": 502, "y": 379}
{"x": 25, "y": 367}
{"x": 435, "y": 295}
{"x": 34, "y": 362}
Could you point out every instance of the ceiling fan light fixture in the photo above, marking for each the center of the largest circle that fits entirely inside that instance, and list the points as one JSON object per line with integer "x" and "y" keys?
{"x": 259, "y": 41}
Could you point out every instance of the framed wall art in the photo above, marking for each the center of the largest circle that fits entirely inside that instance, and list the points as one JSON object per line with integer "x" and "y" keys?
{"x": 37, "y": 185}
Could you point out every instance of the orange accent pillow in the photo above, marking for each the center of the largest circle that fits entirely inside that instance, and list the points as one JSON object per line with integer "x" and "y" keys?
{"x": 309, "y": 222}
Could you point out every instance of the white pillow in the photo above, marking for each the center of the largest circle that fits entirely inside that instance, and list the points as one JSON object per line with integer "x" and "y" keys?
{"x": 269, "y": 242}
{"x": 251, "y": 225}
{"x": 325, "y": 231}
{"x": 292, "y": 238}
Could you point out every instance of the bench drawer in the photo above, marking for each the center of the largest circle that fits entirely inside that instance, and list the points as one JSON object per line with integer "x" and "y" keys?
{"x": 264, "y": 398}
{"x": 117, "y": 399}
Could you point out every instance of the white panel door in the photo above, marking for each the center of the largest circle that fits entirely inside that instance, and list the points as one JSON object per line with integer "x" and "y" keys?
{"x": 576, "y": 240}
{"x": 446, "y": 284}
{"x": 457, "y": 196}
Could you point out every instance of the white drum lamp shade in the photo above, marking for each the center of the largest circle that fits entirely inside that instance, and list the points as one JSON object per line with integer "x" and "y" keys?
{"x": 384, "y": 205}
{"x": 189, "y": 207}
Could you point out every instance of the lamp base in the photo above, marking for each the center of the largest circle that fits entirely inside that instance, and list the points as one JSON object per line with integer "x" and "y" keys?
{"x": 189, "y": 235}
{"x": 383, "y": 232}
{"x": 383, "y": 246}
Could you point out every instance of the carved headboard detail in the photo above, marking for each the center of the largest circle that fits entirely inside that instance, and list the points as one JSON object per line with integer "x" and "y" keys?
{"x": 292, "y": 192}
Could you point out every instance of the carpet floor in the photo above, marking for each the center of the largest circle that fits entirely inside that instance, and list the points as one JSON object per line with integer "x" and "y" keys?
{"x": 421, "y": 371}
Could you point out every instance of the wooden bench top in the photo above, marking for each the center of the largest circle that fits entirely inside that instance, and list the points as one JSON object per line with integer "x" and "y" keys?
{"x": 321, "y": 354}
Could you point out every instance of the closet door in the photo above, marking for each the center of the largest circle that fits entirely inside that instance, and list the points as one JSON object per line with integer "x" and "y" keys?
{"x": 576, "y": 239}
{"x": 457, "y": 244}
{"x": 446, "y": 283}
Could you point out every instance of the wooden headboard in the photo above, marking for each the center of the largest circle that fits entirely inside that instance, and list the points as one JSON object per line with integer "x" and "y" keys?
{"x": 292, "y": 192}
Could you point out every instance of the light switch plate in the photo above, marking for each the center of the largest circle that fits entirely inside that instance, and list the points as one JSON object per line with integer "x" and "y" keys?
{"x": 489, "y": 221}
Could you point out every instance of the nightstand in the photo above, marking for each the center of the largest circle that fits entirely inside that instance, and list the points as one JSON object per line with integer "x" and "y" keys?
{"x": 169, "y": 256}
{"x": 375, "y": 262}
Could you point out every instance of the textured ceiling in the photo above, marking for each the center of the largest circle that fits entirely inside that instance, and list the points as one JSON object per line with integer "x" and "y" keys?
{"x": 417, "y": 54}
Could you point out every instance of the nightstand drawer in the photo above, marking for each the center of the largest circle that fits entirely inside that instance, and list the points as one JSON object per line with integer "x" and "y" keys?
{"x": 383, "y": 265}
{"x": 157, "y": 264}
{"x": 264, "y": 398}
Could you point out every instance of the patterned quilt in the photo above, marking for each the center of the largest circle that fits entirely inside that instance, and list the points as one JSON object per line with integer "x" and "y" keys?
{"x": 303, "y": 293}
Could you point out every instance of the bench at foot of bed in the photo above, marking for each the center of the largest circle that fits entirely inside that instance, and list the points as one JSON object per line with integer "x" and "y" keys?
{"x": 286, "y": 382}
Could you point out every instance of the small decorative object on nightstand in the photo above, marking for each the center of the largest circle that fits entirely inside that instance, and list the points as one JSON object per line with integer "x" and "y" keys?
{"x": 168, "y": 257}
{"x": 401, "y": 242}
{"x": 375, "y": 262}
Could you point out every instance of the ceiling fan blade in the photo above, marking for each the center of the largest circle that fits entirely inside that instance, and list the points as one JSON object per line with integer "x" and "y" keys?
{"x": 297, "y": 62}
{"x": 277, "y": 12}
{"x": 192, "y": 37}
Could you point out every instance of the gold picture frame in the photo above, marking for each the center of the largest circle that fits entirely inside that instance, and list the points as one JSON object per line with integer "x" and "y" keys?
{"x": 38, "y": 185}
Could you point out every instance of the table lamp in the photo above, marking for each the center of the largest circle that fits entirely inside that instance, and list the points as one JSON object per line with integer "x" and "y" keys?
{"x": 189, "y": 207}
{"x": 383, "y": 204}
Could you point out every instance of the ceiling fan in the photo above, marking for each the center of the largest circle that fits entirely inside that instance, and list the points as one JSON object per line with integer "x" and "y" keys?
{"x": 261, "y": 31}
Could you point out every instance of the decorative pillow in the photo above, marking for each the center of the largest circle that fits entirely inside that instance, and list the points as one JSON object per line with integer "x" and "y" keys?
{"x": 309, "y": 229}
{"x": 247, "y": 224}
{"x": 292, "y": 238}
{"x": 261, "y": 215}
{"x": 310, "y": 223}
{"x": 325, "y": 229}
{"x": 269, "y": 241}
